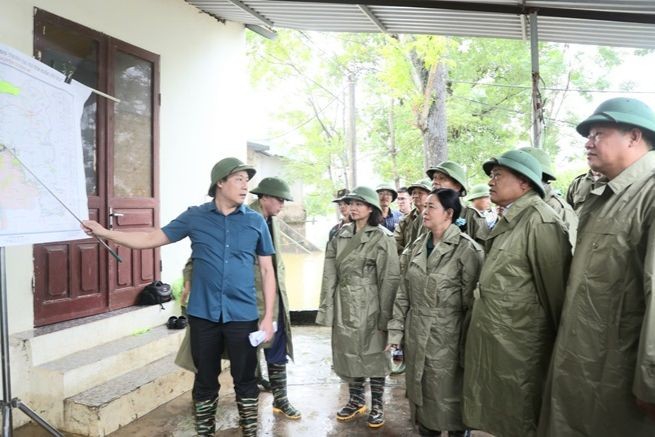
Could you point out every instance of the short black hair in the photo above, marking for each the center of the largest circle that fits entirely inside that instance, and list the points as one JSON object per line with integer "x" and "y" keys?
{"x": 375, "y": 218}
{"x": 449, "y": 199}
{"x": 402, "y": 190}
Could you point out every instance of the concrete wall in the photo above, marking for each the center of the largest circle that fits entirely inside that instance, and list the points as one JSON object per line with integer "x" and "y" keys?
{"x": 202, "y": 117}
{"x": 203, "y": 80}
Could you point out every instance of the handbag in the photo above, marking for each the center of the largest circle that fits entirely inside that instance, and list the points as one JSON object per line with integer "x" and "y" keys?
{"x": 155, "y": 293}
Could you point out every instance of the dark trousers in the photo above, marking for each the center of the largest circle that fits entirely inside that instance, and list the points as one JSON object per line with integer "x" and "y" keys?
{"x": 208, "y": 341}
{"x": 277, "y": 353}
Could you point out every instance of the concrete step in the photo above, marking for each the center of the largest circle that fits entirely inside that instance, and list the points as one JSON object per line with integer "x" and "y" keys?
{"x": 105, "y": 408}
{"x": 63, "y": 378}
{"x": 52, "y": 342}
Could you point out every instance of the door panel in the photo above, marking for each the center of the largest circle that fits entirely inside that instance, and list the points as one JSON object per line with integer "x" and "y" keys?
{"x": 132, "y": 154}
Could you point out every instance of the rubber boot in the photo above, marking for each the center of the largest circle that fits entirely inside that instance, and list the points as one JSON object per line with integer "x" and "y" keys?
{"x": 277, "y": 375}
{"x": 204, "y": 413}
{"x": 247, "y": 416}
{"x": 376, "y": 416}
{"x": 356, "y": 403}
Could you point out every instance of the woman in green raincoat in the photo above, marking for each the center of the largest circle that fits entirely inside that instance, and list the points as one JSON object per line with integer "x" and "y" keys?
{"x": 431, "y": 313}
{"x": 360, "y": 278}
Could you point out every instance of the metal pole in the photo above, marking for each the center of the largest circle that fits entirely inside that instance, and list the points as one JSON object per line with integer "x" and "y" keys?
{"x": 7, "y": 402}
{"x": 537, "y": 104}
{"x": 7, "y": 424}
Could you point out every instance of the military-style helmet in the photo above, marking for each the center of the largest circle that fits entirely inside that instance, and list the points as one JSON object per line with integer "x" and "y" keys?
{"x": 451, "y": 169}
{"x": 226, "y": 167}
{"x": 478, "y": 191}
{"x": 544, "y": 160}
{"x": 423, "y": 184}
{"x": 620, "y": 110}
{"x": 340, "y": 195}
{"x": 275, "y": 187}
{"x": 364, "y": 194}
{"x": 521, "y": 162}
{"x": 388, "y": 187}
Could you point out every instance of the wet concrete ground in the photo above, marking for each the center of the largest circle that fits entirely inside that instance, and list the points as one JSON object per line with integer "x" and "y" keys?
{"x": 312, "y": 387}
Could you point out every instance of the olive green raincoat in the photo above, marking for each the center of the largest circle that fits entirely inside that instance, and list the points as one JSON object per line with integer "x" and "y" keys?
{"x": 281, "y": 292}
{"x": 515, "y": 318}
{"x": 431, "y": 313}
{"x": 604, "y": 357}
{"x": 360, "y": 280}
{"x": 476, "y": 224}
{"x": 579, "y": 190}
{"x": 564, "y": 211}
{"x": 406, "y": 230}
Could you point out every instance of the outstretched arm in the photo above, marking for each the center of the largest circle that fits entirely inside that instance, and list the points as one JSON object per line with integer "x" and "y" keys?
{"x": 133, "y": 240}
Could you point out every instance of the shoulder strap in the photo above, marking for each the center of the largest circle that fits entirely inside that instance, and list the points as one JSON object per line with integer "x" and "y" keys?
{"x": 352, "y": 245}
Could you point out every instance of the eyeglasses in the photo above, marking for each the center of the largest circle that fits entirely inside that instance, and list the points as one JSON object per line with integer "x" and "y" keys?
{"x": 595, "y": 137}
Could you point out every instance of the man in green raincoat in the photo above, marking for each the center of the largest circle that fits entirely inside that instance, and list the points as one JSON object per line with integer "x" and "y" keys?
{"x": 411, "y": 226}
{"x": 517, "y": 308}
{"x": 272, "y": 193}
{"x": 554, "y": 200}
{"x": 602, "y": 376}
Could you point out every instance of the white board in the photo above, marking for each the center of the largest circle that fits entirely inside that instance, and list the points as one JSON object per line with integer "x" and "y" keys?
{"x": 40, "y": 123}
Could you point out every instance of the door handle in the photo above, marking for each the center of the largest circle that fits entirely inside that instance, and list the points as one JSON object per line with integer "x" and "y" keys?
{"x": 113, "y": 214}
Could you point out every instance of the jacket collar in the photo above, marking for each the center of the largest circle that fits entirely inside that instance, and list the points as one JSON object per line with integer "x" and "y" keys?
{"x": 511, "y": 216}
{"x": 627, "y": 177}
{"x": 448, "y": 243}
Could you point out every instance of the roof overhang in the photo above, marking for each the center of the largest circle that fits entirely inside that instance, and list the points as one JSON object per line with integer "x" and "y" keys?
{"x": 627, "y": 23}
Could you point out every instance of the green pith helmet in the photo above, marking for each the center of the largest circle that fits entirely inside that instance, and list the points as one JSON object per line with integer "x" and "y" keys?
{"x": 275, "y": 187}
{"x": 544, "y": 160}
{"x": 394, "y": 193}
{"x": 478, "y": 191}
{"x": 451, "y": 169}
{"x": 521, "y": 162}
{"x": 226, "y": 167}
{"x": 620, "y": 110}
{"x": 340, "y": 195}
{"x": 423, "y": 184}
{"x": 364, "y": 194}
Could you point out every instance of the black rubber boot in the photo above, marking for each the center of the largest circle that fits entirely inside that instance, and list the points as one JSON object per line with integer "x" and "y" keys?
{"x": 356, "y": 404}
{"x": 376, "y": 416}
{"x": 277, "y": 374}
{"x": 204, "y": 413}
{"x": 247, "y": 416}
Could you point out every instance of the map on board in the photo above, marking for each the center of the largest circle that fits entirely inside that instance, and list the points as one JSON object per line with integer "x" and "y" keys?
{"x": 39, "y": 124}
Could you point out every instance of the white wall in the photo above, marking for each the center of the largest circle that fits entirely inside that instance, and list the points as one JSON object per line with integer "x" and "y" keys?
{"x": 203, "y": 81}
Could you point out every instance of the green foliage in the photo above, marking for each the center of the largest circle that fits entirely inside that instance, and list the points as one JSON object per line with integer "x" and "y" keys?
{"x": 488, "y": 104}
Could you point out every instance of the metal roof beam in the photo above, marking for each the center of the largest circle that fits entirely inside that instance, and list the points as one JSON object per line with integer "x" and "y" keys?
{"x": 518, "y": 9}
{"x": 373, "y": 18}
{"x": 247, "y": 9}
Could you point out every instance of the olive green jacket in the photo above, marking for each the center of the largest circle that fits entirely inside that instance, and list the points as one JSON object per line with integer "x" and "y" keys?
{"x": 406, "y": 230}
{"x": 281, "y": 290}
{"x": 564, "y": 211}
{"x": 359, "y": 286}
{"x": 579, "y": 190}
{"x": 431, "y": 315}
{"x": 604, "y": 357}
{"x": 476, "y": 224}
{"x": 515, "y": 318}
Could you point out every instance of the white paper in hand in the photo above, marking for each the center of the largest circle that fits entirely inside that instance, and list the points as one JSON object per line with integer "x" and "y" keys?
{"x": 256, "y": 338}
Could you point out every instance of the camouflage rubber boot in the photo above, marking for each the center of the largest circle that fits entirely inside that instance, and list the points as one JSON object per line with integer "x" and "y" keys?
{"x": 247, "y": 416}
{"x": 376, "y": 416}
{"x": 356, "y": 404}
{"x": 277, "y": 374}
{"x": 204, "y": 413}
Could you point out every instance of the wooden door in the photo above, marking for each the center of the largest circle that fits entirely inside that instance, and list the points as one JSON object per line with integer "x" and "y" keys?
{"x": 78, "y": 278}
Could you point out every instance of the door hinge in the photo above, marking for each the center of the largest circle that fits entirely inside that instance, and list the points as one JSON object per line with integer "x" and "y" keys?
{"x": 160, "y": 266}
{"x": 159, "y": 98}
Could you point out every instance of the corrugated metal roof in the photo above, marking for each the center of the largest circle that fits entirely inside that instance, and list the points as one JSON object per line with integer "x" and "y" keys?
{"x": 629, "y": 23}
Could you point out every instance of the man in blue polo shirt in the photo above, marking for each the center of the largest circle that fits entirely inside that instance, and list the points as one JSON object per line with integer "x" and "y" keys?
{"x": 227, "y": 238}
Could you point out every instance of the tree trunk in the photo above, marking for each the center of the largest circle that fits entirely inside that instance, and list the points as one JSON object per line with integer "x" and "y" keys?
{"x": 435, "y": 133}
{"x": 351, "y": 133}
